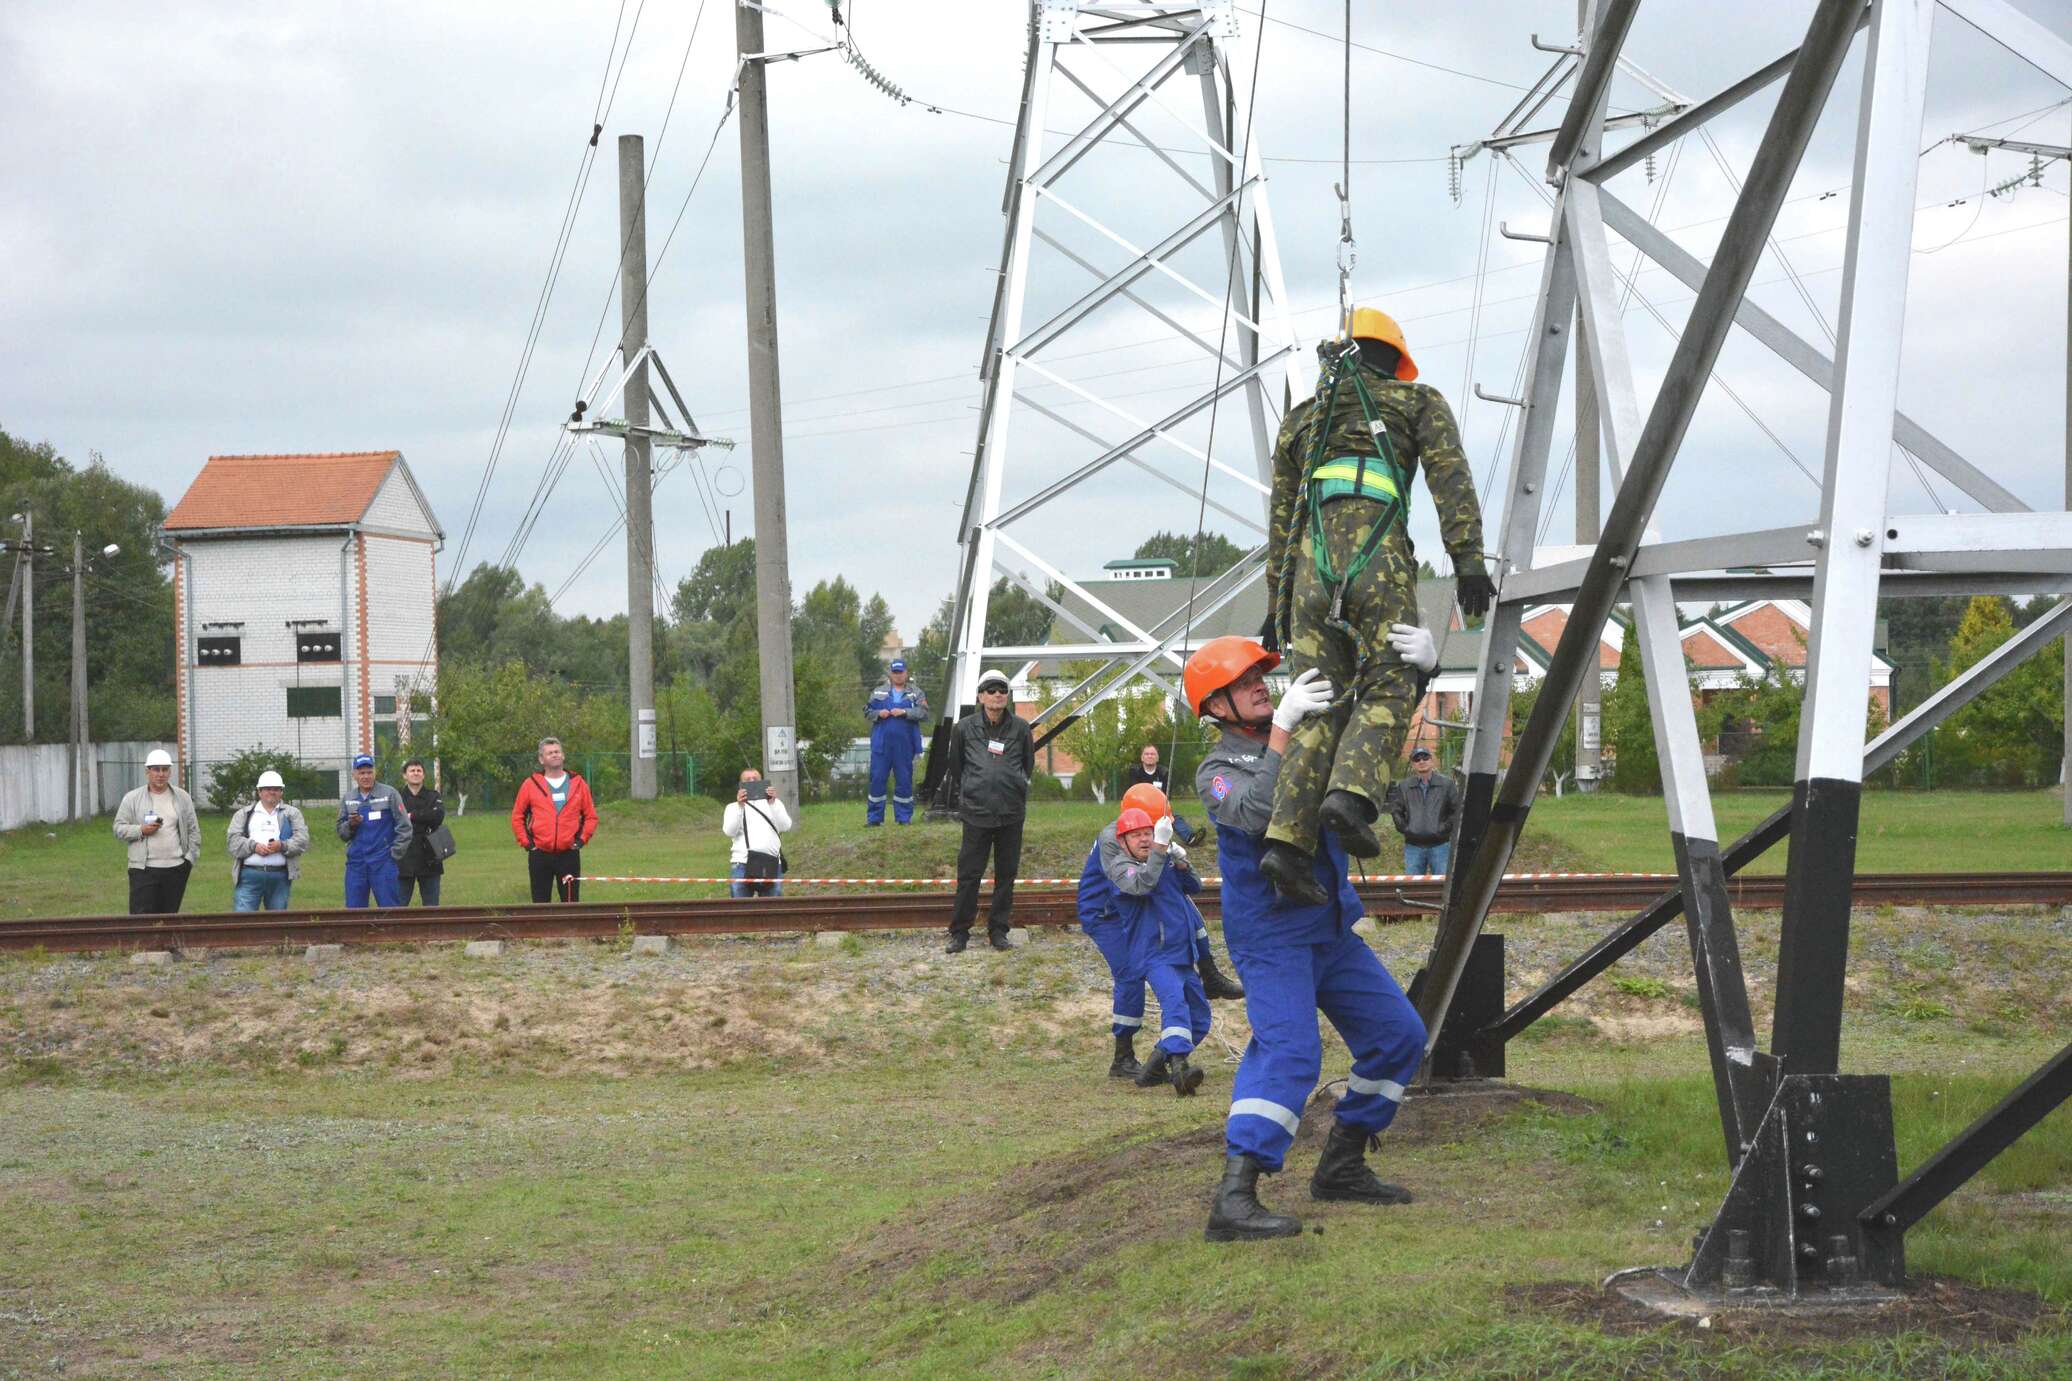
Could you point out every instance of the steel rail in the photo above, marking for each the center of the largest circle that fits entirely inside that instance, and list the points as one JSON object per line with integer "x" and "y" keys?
{"x": 1395, "y": 898}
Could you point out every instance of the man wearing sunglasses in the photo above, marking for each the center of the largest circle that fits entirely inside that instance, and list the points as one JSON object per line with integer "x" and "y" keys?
{"x": 992, "y": 757}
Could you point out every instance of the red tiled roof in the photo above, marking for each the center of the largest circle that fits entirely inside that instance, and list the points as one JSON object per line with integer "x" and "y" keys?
{"x": 324, "y": 490}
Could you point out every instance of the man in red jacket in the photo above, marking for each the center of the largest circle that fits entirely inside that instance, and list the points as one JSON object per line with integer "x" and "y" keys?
{"x": 552, "y": 819}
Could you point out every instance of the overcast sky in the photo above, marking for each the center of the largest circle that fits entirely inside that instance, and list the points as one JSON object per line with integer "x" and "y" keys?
{"x": 241, "y": 228}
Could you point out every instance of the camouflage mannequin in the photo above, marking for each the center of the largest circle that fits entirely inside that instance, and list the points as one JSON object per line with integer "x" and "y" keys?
{"x": 1342, "y": 581}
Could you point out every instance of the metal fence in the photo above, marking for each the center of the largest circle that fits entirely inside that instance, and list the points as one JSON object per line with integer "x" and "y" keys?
{"x": 35, "y": 781}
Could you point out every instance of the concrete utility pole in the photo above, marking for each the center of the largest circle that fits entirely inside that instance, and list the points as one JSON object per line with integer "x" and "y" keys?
{"x": 765, "y": 413}
{"x": 28, "y": 627}
{"x": 2065, "y": 763}
{"x": 79, "y": 790}
{"x": 640, "y": 486}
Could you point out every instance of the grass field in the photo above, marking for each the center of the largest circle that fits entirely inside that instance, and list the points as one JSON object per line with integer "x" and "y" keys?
{"x": 78, "y": 869}
{"x": 761, "y": 1157}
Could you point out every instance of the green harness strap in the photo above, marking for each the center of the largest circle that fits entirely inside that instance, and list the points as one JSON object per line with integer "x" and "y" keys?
{"x": 1325, "y": 479}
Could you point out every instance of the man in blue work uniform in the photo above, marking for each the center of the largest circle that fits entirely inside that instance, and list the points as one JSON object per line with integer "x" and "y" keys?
{"x": 376, "y": 831}
{"x": 1295, "y": 959}
{"x": 1111, "y": 872}
{"x": 895, "y": 713}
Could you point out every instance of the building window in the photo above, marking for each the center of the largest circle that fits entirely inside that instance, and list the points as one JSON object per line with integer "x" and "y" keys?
{"x": 219, "y": 651}
{"x": 316, "y": 647}
{"x": 384, "y": 704}
{"x": 316, "y": 702}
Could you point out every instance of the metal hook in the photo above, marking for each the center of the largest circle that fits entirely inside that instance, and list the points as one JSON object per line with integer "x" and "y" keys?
{"x": 1489, "y": 397}
{"x": 1503, "y": 228}
{"x": 1555, "y": 47}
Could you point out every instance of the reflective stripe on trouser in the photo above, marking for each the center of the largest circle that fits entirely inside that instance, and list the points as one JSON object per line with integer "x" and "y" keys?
{"x": 897, "y": 765}
{"x": 1354, "y": 747}
{"x": 1183, "y": 1008}
{"x": 1113, "y": 940}
{"x": 1285, "y": 988}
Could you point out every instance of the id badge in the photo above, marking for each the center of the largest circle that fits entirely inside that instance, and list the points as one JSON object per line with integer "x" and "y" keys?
{"x": 373, "y": 815}
{"x": 996, "y": 746}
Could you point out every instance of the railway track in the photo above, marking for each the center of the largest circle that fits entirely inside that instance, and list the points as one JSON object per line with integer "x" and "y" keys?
{"x": 1049, "y": 906}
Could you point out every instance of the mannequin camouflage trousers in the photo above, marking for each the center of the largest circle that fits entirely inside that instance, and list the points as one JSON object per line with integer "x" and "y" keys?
{"x": 1354, "y": 745}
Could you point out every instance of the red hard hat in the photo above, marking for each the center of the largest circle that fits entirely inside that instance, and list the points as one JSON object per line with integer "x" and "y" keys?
{"x": 1219, "y": 662}
{"x": 1147, "y": 798}
{"x": 1131, "y": 820}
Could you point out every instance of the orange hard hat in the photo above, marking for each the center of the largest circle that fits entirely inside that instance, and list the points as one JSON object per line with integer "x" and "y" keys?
{"x": 1147, "y": 798}
{"x": 1371, "y": 323}
{"x": 1131, "y": 820}
{"x": 1220, "y": 661}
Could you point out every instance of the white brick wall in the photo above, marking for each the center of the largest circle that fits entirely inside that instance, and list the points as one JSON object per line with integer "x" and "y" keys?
{"x": 396, "y": 509}
{"x": 264, "y": 582}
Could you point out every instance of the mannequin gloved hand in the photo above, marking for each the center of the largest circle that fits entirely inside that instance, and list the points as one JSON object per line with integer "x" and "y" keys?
{"x": 1306, "y": 695}
{"x": 1270, "y": 633}
{"x": 1162, "y": 832}
{"x": 1472, "y": 587}
{"x": 1415, "y": 646}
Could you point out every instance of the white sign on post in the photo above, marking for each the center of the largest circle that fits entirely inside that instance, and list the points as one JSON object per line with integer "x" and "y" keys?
{"x": 647, "y": 733}
{"x": 779, "y": 751}
{"x": 1587, "y": 741}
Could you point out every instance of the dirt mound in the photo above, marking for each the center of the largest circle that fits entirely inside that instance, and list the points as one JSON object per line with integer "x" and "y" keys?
{"x": 1047, "y": 1222}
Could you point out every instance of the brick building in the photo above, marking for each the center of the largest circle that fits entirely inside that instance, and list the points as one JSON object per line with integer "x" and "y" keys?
{"x": 304, "y": 588}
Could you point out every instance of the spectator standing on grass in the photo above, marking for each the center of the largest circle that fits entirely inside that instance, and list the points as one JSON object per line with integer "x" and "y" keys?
{"x": 992, "y": 756}
{"x": 1147, "y": 772}
{"x": 376, "y": 832}
{"x": 158, "y": 823}
{"x": 1425, "y": 809}
{"x": 420, "y": 866}
{"x": 267, "y": 840}
{"x": 552, "y": 819}
{"x": 753, "y": 820}
{"x": 894, "y": 714}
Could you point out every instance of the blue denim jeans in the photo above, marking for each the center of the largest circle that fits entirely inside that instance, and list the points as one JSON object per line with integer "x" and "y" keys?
{"x": 738, "y": 888}
{"x": 261, "y": 889}
{"x": 1427, "y": 859}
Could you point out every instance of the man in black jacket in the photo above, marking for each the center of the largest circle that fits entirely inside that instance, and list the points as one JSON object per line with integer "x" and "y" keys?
{"x": 992, "y": 756}
{"x": 420, "y": 867}
{"x": 1425, "y": 809}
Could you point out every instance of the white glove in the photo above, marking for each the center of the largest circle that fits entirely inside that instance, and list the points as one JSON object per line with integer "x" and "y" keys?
{"x": 1176, "y": 855}
{"x": 1415, "y": 646}
{"x": 1306, "y": 695}
{"x": 1162, "y": 832}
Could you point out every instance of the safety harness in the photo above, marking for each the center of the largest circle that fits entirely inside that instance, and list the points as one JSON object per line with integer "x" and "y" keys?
{"x": 1379, "y": 478}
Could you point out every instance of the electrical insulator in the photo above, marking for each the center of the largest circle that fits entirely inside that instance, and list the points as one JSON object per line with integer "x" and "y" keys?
{"x": 1649, "y": 164}
{"x": 1453, "y": 177}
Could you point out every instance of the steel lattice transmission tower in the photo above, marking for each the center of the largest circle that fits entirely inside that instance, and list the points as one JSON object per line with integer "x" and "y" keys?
{"x": 1145, "y": 230}
{"x": 1816, "y": 1205}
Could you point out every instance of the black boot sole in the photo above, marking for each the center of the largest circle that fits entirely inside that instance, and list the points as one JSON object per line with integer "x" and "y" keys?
{"x": 1300, "y": 889}
{"x": 1122, "y": 1071}
{"x": 1212, "y": 1233}
{"x": 1347, "y": 1196}
{"x": 1353, "y": 831}
{"x": 1187, "y": 1081}
{"x": 1228, "y": 992}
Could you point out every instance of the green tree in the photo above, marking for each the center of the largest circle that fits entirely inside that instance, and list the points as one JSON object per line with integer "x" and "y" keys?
{"x": 1625, "y": 727}
{"x": 2012, "y": 734}
{"x": 129, "y": 598}
{"x": 1107, "y": 738}
{"x": 1562, "y": 767}
{"x": 1215, "y": 552}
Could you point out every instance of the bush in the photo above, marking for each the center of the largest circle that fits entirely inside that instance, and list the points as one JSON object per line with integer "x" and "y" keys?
{"x": 1044, "y": 787}
{"x": 231, "y": 782}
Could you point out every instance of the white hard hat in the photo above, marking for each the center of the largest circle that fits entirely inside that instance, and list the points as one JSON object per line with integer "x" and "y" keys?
{"x": 271, "y": 778}
{"x": 158, "y": 757}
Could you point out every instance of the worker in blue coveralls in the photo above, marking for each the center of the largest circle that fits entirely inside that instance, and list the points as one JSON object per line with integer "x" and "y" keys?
{"x": 376, "y": 831}
{"x": 1102, "y": 918}
{"x": 1295, "y": 959}
{"x": 1152, "y": 885}
{"x": 895, "y": 712}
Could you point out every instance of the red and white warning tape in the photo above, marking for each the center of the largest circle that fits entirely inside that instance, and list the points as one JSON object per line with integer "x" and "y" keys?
{"x": 1074, "y": 882}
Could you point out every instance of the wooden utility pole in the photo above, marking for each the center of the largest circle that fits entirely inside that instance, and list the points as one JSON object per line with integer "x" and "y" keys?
{"x": 79, "y": 790}
{"x": 28, "y": 626}
{"x": 640, "y": 520}
{"x": 766, "y": 420}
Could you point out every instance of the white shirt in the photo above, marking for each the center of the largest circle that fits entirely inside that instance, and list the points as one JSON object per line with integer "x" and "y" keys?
{"x": 263, "y": 826}
{"x": 754, "y": 829}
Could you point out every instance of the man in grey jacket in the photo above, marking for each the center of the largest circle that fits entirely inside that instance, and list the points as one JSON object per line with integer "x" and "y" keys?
{"x": 1425, "y": 809}
{"x": 992, "y": 756}
{"x": 267, "y": 840}
{"x": 158, "y": 823}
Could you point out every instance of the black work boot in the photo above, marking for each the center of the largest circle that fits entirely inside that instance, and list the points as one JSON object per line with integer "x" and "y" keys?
{"x": 998, "y": 939}
{"x": 1124, "y": 1065}
{"x": 1351, "y": 817}
{"x": 958, "y": 940}
{"x": 1237, "y": 1215}
{"x": 1153, "y": 1071}
{"x": 1214, "y": 985}
{"x": 1288, "y": 869}
{"x": 1342, "y": 1172}
{"x": 1186, "y": 1078}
